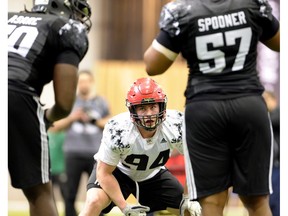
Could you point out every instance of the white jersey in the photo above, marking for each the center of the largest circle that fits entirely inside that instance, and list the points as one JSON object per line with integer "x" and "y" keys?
{"x": 123, "y": 146}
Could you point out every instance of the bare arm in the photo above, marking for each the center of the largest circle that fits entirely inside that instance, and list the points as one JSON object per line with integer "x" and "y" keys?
{"x": 274, "y": 42}
{"x": 101, "y": 122}
{"x": 65, "y": 83}
{"x": 58, "y": 126}
{"x": 156, "y": 63}
{"x": 110, "y": 184}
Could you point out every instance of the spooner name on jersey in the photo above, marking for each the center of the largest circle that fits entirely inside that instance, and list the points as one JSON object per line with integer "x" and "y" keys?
{"x": 221, "y": 21}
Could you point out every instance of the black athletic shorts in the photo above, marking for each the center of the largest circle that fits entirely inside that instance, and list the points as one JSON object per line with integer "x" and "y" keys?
{"x": 160, "y": 192}
{"x": 28, "y": 156}
{"x": 229, "y": 143}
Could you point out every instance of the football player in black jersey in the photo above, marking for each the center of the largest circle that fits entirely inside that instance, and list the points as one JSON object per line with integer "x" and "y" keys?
{"x": 227, "y": 128}
{"x": 44, "y": 44}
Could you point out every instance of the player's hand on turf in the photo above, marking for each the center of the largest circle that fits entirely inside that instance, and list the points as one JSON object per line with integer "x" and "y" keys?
{"x": 193, "y": 207}
{"x": 135, "y": 210}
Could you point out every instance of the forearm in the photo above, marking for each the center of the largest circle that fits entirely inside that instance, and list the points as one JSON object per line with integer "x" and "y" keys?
{"x": 61, "y": 125}
{"x": 155, "y": 62}
{"x": 56, "y": 113}
{"x": 111, "y": 186}
{"x": 185, "y": 192}
{"x": 101, "y": 122}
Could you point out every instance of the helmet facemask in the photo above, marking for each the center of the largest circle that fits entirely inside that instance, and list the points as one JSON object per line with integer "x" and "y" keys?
{"x": 81, "y": 11}
{"x": 149, "y": 122}
{"x": 72, "y": 9}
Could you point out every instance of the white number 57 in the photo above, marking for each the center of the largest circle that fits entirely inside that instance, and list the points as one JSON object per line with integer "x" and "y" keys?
{"x": 217, "y": 40}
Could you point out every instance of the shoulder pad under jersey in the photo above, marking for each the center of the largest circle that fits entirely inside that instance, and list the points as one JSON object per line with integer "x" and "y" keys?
{"x": 173, "y": 16}
{"x": 116, "y": 132}
{"x": 265, "y": 9}
{"x": 175, "y": 114}
{"x": 175, "y": 120}
{"x": 74, "y": 35}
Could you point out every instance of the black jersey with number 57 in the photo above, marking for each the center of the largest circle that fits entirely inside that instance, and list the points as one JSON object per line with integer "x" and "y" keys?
{"x": 219, "y": 40}
{"x": 36, "y": 43}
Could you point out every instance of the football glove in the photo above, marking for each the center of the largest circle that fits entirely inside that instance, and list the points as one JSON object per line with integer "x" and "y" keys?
{"x": 135, "y": 210}
{"x": 193, "y": 207}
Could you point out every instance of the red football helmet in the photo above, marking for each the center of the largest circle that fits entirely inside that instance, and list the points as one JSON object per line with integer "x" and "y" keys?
{"x": 146, "y": 91}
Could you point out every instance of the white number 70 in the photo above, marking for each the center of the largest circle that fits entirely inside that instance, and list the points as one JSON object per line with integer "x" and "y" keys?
{"x": 21, "y": 39}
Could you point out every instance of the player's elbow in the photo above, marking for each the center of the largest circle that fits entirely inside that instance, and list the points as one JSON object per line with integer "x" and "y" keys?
{"x": 64, "y": 104}
{"x": 156, "y": 63}
{"x": 152, "y": 67}
{"x": 274, "y": 42}
{"x": 150, "y": 70}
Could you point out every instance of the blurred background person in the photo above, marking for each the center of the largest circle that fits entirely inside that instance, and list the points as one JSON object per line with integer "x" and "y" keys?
{"x": 274, "y": 109}
{"x": 268, "y": 61}
{"x": 268, "y": 65}
{"x": 56, "y": 137}
{"x": 84, "y": 127}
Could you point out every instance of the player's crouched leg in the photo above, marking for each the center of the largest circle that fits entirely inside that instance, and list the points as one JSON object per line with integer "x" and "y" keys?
{"x": 96, "y": 201}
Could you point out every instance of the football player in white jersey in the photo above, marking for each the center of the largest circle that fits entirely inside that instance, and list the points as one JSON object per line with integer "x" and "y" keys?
{"x": 132, "y": 156}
